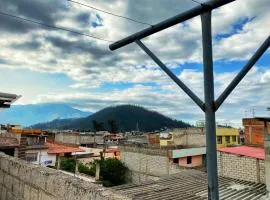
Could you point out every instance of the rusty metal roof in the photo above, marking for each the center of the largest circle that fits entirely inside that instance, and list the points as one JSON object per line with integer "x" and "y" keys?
{"x": 192, "y": 185}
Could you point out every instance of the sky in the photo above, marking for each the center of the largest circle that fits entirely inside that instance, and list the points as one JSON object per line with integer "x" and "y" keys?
{"x": 48, "y": 65}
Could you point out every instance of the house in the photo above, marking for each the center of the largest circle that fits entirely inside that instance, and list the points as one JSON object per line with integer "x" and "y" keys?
{"x": 182, "y": 136}
{"x": 8, "y": 145}
{"x": 227, "y": 137}
{"x": 254, "y": 130}
{"x": 151, "y": 163}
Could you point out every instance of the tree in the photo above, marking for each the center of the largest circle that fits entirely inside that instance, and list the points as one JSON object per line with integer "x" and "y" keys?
{"x": 113, "y": 128}
{"x": 98, "y": 126}
{"x": 112, "y": 171}
{"x": 68, "y": 164}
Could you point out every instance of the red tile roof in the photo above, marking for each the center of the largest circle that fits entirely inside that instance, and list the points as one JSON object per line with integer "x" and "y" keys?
{"x": 253, "y": 152}
{"x": 8, "y": 142}
{"x": 60, "y": 148}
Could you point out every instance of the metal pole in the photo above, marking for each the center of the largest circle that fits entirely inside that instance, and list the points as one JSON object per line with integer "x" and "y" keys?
{"x": 193, "y": 96}
{"x": 243, "y": 72}
{"x": 206, "y": 6}
{"x": 210, "y": 121}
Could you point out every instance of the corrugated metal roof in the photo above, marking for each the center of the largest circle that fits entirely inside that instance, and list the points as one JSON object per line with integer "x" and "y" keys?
{"x": 253, "y": 152}
{"x": 192, "y": 185}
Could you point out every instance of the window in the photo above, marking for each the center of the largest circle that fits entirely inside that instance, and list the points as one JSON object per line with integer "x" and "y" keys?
{"x": 175, "y": 160}
{"x": 227, "y": 139}
{"x": 189, "y": 160}
{"x": 31, "y": 157}
{"x": 234, "y": 138}
{"x": 219, "y": 139}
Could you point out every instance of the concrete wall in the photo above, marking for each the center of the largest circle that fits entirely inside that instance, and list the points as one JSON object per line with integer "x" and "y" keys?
{"x": 147, "y": 164}
{"x": 22, "y": 181}
{"x": 67, "y": 138}
{"x": 241, "y": 167}
{"x": 195, "y": 161}
{"x": 76, "y": 138}
{"x": 192, "y": 137}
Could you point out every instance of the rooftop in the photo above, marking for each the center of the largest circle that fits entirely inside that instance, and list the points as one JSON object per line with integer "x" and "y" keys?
{"x": 253, "y": 152}
{"x": 59, "y": 148}
{"x": 192, "y": 185}
{"x": 7, "y": 99}
{"x": 8, "y": 142}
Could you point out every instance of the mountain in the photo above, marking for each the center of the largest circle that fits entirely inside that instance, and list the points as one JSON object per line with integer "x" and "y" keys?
{"x": 124, "y": 118}
{"x": 27, "y": 115}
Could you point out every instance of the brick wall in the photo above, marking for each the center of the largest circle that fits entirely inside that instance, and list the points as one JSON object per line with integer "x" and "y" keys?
{"x": 22, "y": 181}
{"x": 241, "y": 167}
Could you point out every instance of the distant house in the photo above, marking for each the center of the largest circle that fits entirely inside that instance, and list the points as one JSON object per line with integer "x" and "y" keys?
{"x": 227, "y": 136}
{"x": 254, "y": 131}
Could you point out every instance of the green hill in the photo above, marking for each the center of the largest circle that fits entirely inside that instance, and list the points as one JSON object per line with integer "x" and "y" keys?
{"x": 122, "y": 118}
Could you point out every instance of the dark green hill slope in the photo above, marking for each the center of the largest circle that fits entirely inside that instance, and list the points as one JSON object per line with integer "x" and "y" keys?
{"x": 126, "y": 118}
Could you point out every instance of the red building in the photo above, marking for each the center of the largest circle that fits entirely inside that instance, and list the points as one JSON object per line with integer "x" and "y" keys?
{"x": 254, "y": 131}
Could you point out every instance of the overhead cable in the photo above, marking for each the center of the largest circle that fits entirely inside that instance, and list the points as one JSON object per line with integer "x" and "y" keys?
{"x": 52, "y": 26}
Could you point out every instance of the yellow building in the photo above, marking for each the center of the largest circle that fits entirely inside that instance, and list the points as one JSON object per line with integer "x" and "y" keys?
{"x": 226, "y": 137}
{"x": 166, "y": 139}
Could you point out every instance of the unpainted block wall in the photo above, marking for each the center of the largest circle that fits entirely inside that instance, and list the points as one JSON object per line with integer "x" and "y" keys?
{"x": 22, "y": 181}
{"x": 241, "y": 167}
{"x": 147, "y": 166}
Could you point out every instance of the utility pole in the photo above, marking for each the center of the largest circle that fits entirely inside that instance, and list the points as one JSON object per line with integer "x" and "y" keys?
{"x": 210, "y": 105}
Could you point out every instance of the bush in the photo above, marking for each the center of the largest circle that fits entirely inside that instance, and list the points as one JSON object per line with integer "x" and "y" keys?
{"x": 68, "y": 164}
{"x": 112, "y": 171}
{"x": 86, "y": 170}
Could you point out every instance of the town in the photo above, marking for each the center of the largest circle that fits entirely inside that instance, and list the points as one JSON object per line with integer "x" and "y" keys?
{"x": 134, "y": 100}
{"x": 153, "y": 161}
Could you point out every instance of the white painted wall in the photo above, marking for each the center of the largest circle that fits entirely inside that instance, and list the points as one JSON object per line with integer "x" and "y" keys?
{"x": 44, "y": 158}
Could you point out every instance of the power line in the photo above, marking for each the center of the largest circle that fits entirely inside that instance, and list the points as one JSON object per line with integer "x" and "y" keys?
{"x": 195, "y": 1}
{"x": 52, "y": 26}
{"x": 200, "y": 3}
{"x": 104, "y": 11}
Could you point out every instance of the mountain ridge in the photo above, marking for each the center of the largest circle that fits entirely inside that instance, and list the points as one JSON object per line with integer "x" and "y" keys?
{"x": 29, "y": 114}
{"x": 125, "y": 117}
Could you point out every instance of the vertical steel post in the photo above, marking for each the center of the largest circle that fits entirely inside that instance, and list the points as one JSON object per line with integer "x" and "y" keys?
{"x": 210, "y": 118}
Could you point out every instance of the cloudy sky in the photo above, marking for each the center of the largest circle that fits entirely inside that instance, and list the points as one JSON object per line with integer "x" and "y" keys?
{"x": 48, "y": 65}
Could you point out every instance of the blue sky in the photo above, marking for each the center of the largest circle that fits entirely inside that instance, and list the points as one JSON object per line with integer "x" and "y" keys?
{"x": 46, "y": 65}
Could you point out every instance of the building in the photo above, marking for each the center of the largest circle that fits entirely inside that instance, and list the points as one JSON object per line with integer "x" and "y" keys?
{"x": 8, "y": 145}
{"x": 182, "y": 136}
{"x": 254, "y": 131}
{"x": 7, "y": 99}
{"x": 189, "y": 157}
{"x": 242, "y": 163}
{"x": 227, "y": 137}
{"x": 148, "y": 163}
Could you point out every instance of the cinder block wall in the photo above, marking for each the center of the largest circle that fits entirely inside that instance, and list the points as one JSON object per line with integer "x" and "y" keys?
{"x": 241, "y": 167}
{"x": 22, "y": 181}
{"x": 147, "y": 164}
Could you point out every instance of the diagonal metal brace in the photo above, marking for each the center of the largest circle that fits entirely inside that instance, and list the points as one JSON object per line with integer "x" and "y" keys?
{"x": 242, "y": 73}
{"x": 193, "y": 96}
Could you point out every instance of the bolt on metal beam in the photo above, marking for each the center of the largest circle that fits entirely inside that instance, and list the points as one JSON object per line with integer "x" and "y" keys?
{"x": 193, "y": 96}
{"x": 208, "y": 6}
{"x": 242, "y": 73}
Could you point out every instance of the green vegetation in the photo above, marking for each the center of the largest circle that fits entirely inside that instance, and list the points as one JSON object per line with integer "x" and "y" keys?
{"x": 68, "y": 164}
{"x": 112, "y": 171}
{"x": 119, "y": 118}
